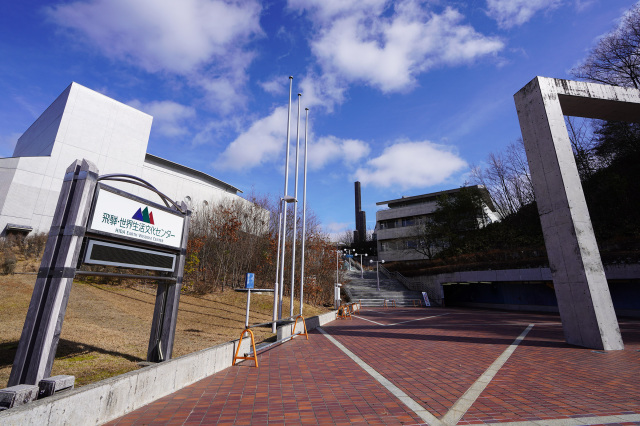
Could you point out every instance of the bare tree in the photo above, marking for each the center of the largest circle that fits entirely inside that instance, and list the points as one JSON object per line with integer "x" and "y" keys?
{"x": 583, "y": 144}
{"x": 615, "y": 59}
{"x": 346, "y": 238}
{"x": 228, "y": 239}
{"x": 506, "y": 177}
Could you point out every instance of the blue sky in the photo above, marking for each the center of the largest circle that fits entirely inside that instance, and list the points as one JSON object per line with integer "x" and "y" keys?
{"x": 404, "y": 96}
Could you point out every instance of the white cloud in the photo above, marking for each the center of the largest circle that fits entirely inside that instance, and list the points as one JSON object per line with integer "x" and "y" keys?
{"x": 191, "y": 38}
{"x": 326, "y": 10}
{"x": 336, "y": 230}
{"x": 325, "y": 91}
{"x": 224, "y": 94}
{"x": 169, "y": 118}
{"x": 582, "y": 5}
{"x": 263, "y": 142}
{"x": 388, "y": 46}
{"x": 161, "y": 35}
{"x": 275, "y": 86}
{"x": 337, "y": 227}
{"x": 331, "y": 149}
{"x": 406, "y": 165}
{"x": 510, "y": 13}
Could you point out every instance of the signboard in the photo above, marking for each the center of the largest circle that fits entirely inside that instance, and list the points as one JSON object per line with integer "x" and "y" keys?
{"x": 426, "y": 298}
{"x": 248, "y": 281}
{"x": 130, "y": 217}
{"x": 104, "y": 253}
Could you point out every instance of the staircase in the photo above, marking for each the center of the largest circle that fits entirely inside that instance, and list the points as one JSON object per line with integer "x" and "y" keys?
{"x": 366, "y": 290}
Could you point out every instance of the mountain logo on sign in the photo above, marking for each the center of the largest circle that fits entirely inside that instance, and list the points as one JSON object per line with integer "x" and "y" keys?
{"x": 144, "y": 216}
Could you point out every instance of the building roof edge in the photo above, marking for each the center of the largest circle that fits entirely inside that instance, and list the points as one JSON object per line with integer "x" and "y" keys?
{"x": 150, "y": 158}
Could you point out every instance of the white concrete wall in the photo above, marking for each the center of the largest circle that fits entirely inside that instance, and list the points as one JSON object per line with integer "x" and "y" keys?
{"x": 179, "y": 186}
{"x": 82, "y": 123}
{"x": 26, "y": 194}
{"x": 38, "y": 140}
{"x": 400, "y": 212}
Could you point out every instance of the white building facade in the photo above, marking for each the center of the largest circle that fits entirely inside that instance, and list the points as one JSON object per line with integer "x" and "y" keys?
{"x": 82, "y": 123}
{"x": 398, "y": 226}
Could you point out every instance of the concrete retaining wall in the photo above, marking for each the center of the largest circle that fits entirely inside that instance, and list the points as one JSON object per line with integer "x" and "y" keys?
{"x": 109, "y": 399}
{"x": 313, "y": 322}
{"x": 539, "y": 308}
{"x": 425, "y": 282}
{"x": 624, "y": 298}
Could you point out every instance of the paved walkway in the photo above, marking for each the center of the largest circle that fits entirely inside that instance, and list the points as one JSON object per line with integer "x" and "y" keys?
{"x": 419, "y": 366}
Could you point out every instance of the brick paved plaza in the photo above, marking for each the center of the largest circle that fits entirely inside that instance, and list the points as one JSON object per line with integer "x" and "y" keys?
{"x": 419, "y": 366}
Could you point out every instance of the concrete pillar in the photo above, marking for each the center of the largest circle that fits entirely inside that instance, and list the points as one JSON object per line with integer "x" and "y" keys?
{"x": 584, "y": 301}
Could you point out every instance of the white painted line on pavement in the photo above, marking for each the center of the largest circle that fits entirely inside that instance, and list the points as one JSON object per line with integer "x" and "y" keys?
{"x": 465, "y": 402}
{"x": 575, "y": 421}
{"x": 403, "y": 322}
{"x": 397, "y": 392}
{"x": 366, "y": 319}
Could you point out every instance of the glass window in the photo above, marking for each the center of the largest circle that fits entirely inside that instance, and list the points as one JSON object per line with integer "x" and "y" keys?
{"x": 408, "y": 221}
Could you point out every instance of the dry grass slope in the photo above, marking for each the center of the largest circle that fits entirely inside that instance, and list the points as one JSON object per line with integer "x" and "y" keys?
{"x": 106, "y": 328}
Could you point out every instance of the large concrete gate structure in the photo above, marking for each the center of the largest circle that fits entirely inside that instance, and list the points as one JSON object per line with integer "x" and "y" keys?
{"x": 584, "y": 301}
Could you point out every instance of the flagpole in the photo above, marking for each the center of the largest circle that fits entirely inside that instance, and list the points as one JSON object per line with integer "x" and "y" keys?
{"x": 275, "y": 290}
{"x": 284, "y": 212}
{"x": 304, "y": 208}
{"x": 295, "y": 213}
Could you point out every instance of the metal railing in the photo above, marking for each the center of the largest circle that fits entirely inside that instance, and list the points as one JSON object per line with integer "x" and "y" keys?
{"x": 391, "y": 302}
{"x": 433, "y": 296}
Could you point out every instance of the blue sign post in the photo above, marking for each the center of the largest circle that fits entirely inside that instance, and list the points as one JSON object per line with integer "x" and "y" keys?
{"x": 248, "y": 281}
{"x": 248, "y": 284}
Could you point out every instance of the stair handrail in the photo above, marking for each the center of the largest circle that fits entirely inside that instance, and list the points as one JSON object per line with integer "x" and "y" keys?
{"x": 384, "y": 270}
{"x": 356, "y": 264}
{"x": 408, "y": 284}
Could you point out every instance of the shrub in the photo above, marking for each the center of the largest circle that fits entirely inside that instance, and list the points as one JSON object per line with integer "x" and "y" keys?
{"x": 8, "y": 262}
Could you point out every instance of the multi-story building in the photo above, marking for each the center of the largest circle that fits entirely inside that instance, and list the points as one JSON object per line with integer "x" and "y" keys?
{"x": 79, "y": 124}
{"x": 398, "y": 226}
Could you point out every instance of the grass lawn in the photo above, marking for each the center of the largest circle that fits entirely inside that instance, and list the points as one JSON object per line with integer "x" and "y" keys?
{"x": 106, "y": 328}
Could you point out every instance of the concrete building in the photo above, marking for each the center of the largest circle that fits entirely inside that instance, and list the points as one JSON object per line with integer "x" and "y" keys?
{"x": 397, "y": 226}
{"x": 82, "y": 123}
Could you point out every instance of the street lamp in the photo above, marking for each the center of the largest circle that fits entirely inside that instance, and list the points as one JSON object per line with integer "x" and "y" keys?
{"x": 377, "y": 273}
{"x": 337, "y": 263}
{"x": 361, "y": 265}
{"x": 348, "y": 252}
{"x": 337, "y": 286}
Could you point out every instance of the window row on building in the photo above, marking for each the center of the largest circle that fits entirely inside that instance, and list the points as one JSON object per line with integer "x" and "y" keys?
{"x": 395, "y": 245}
{"x": 402, "y": 222}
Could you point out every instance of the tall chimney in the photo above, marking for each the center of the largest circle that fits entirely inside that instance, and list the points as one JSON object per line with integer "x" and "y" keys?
{"x": 359, "y": 225}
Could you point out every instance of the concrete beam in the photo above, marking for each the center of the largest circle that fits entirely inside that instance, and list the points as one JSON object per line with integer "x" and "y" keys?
{"x": 51, "y": 385}
{"x": 584, "y": 302}
{"x": 17, "y": 395}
